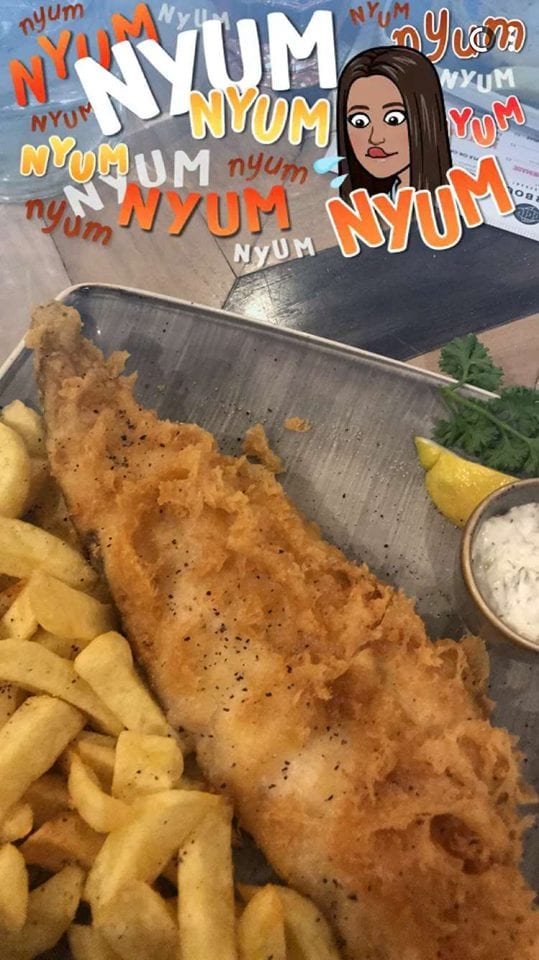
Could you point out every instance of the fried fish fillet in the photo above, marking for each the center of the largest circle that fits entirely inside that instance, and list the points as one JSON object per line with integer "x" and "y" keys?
{"x": 358, "y": 753}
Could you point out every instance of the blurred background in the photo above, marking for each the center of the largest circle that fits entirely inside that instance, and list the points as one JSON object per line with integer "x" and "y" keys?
{"x": 404, "y": 306}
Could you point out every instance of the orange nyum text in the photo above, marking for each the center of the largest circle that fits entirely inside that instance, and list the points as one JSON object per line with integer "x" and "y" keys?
{"x": 53, "y": 212}
{"x": 55, "y": 118}
{"x": 43, "y": 15}
{"x": 439, "y": 216}
{"x": 224, "y": 214}
{"x": 31, "y": 78}
{"x": 250, "y": 167}
{"x": 507, "y": 34}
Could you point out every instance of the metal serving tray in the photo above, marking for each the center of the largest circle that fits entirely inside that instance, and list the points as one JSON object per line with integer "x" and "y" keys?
{"x": 355, "y": 472}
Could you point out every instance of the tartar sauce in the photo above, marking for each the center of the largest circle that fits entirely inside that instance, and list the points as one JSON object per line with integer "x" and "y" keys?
{"x": 505, "y": 561}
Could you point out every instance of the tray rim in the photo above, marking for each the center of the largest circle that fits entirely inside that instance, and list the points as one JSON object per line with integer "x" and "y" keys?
{"x": 248, "y": 322}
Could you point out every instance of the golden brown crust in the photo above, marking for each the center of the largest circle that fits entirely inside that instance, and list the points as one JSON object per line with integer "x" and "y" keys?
{"x": 297, "y": 424}
{"x": 358, "y": 753}
{"x": 256, "y": 445}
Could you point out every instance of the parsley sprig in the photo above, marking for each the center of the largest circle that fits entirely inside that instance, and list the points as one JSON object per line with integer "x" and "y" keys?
{"x": 503, "y": 431}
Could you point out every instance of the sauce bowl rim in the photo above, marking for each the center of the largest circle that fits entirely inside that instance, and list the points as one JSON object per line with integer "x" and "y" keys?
{"x": 466, "y": 565}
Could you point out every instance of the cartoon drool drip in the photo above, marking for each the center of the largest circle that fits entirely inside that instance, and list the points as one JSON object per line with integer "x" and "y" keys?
{"x": 391, "y": 123}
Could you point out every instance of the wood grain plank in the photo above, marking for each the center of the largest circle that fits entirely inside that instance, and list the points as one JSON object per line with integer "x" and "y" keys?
{"x": 190, "y": 266}
{"x": 31, "y": 270}
{"x": 514, "y": 346}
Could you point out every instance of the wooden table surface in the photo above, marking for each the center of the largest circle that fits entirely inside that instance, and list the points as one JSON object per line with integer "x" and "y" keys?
{"x": 514, "y": 346}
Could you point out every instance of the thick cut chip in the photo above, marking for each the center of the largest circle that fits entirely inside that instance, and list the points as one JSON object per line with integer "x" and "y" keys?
{"x": 65, "y": 839}
{"x": 136, "y": 923}
{"x": 308, "y": 934}
{"x": 206, "y": 914}
{"x": 36, "y": 669}
{"x": 100, "y": 811}
{"x": 87, "y": 943}
{"x": 66, "y": 612}
{"x": 51, "y": 910}
{"x": 142, "y": 848}
{"x": 19, "y": 622}
{"x": 97, "y": 751}
{"x": 13, "y": 889}
{"x": 261, "y": 927}
{"x": 25, "y": 548}
{"x": 17, "y": 822}
{"x": 28, "y": 424}
{"x": 10, "y": 589}
{"x": 11, "y": 698}
{"x": 30, "y": 742}
{"x": 145, "y": 763}
{"x": 15, "y": 472}
{"x": 68, "y": 649}
{"x": 48, "y": 797}
{"x": 107, "y": 665}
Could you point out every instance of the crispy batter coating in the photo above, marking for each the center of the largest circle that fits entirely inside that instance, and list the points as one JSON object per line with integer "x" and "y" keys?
{"x": 358, "y": 753}
{"x": 256, "y": 445}
{"x": 297, "y": 424}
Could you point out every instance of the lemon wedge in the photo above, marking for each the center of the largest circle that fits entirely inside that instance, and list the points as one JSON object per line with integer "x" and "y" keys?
{"x": 456, "y": 486}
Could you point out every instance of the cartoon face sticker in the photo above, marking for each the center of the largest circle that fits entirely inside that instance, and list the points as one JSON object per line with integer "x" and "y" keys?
{"x": 391, "y": 123}
{"x": 378, "y": 128}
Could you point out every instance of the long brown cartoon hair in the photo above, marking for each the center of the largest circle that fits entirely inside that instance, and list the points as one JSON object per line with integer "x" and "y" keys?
{"x": 419, "y": 86}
